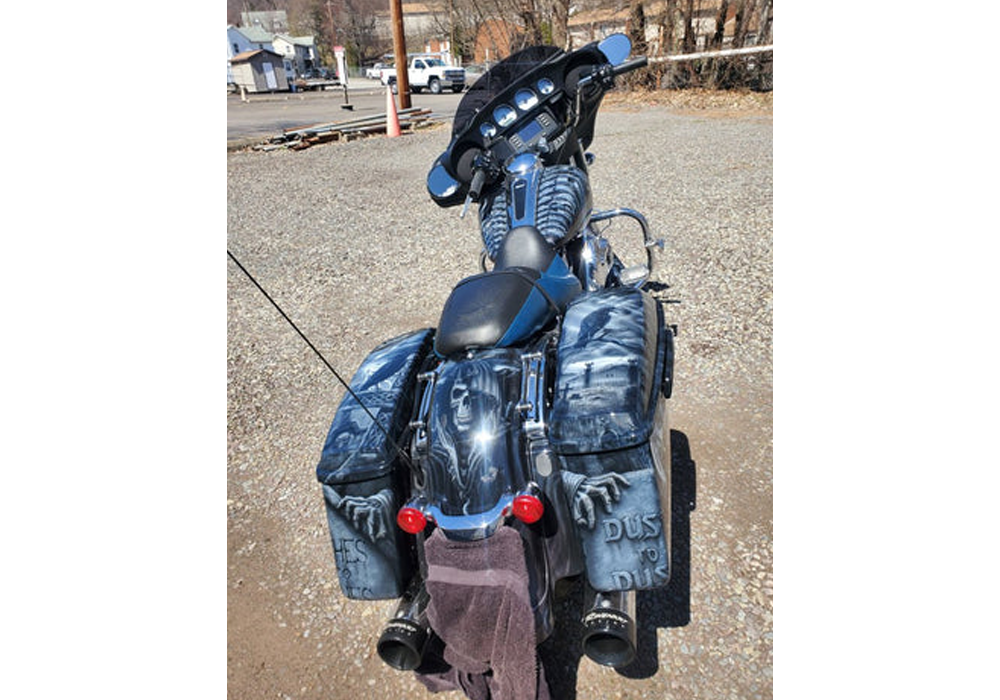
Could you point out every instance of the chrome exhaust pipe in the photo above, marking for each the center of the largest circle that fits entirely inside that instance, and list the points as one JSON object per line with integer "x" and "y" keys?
{"x": 404, "y": 638}
{"x": 609, "y": 628}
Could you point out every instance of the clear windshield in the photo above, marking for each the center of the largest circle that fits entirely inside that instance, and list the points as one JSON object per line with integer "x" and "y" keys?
{"x": 496, "y": 79}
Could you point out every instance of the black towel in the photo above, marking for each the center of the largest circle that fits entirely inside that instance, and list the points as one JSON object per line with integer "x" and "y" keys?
{"x": 481, "y": 608}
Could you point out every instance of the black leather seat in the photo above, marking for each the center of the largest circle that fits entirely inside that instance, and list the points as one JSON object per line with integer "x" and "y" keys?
{"x": 529, "y": 286}
{"x": 525, "y": 247}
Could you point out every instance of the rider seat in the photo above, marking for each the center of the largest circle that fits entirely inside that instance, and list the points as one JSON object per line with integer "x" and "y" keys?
{"x": 528, "y": 288}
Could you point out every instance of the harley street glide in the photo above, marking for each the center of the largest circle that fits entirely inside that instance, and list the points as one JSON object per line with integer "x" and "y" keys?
{"x": 524, "y": 440}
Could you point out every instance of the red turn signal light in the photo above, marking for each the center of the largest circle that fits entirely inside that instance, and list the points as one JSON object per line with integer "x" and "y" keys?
{"x": 411, "y": 520}
{"x": 528, "y": 509}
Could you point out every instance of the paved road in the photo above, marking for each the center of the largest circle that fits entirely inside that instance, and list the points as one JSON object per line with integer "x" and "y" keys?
{"x": 267, "y": 115}
{"x": 344, "y": 237}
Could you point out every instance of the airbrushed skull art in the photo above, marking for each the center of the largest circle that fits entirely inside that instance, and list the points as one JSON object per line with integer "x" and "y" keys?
{"x": 461, "y": 405}
{"x": 469, "y": 428}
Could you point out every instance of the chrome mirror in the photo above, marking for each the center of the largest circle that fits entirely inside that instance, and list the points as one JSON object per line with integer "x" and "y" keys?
{"x": 443, "y": 188}
{"x": 616, "y": 47}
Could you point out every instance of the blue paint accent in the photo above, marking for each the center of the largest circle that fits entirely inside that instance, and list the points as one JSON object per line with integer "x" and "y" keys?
{"x": 529, "y": 319}
{"x": 358, "y": 469}
{"x": 560, "y": 285}
{"x": 356, "y": 449}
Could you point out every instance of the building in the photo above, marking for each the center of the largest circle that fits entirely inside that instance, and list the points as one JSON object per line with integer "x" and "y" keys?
{"x": 594, "y": 25}
{"x": 241, "y": 40}
{"x": 299, "y": 53}
{"x": 272, "y": 21}
{"x": 494, "y": 41}
{"x": 259, "y": 70}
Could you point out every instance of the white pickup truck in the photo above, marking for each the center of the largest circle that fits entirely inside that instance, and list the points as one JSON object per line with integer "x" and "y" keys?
{"x": 428, "y": 72}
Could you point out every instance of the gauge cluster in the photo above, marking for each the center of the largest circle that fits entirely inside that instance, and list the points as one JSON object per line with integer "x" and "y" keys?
{"x": 505, "y": 126}
{"x": 524, "y": 100}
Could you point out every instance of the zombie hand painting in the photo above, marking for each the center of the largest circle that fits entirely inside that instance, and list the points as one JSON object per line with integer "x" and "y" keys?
{"x": 584, "y": 491}
{"x": 370, "y": 515}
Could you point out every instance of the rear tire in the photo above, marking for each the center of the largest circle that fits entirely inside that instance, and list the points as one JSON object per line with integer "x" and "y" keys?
{"x": 434, "y": 86}
{"x": 457, "y": 88}
{"x": 394, "y": 87}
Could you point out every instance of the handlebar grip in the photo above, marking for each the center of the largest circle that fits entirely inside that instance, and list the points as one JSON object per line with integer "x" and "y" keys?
{"x": 477, "y": 184}
{"x": 630, "y": 65}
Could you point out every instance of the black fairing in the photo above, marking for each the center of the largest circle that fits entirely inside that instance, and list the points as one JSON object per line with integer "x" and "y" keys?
{"x": 497, "y": 87}
{"x": 496, "y": 80}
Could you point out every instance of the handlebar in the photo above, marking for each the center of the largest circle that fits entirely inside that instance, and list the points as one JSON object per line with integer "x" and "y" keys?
{"x": 606, "y": 74}
{"x": 476, "y": 188}
{"x": 630, "y": 65}
{"x": 484, "y": 167}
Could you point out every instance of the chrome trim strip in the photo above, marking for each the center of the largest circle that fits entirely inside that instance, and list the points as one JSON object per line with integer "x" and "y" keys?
{"x": 476, "y": 526}
{"x": 532, "y": 405}
{"x": 420, "y": 444}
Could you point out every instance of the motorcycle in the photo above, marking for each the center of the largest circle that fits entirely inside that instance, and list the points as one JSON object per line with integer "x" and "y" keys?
{"x": 524, "y": 440}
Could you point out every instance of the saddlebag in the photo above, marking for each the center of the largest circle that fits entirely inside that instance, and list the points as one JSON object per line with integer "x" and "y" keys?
{"x": 364, "y": 481}
{"x": 608, "y": 428}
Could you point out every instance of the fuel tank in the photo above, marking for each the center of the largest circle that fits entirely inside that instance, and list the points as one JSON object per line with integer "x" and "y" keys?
{"x": 558, "y": 204}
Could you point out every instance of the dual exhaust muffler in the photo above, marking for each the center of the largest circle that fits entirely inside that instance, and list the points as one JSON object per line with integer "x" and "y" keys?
{"x": 404, "y": 638}
{"x": 609, "y": 636}
{"x": 609, "y": 631}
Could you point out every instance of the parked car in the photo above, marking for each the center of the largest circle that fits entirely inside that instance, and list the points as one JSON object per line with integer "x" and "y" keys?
{"x": 375, "y": 72}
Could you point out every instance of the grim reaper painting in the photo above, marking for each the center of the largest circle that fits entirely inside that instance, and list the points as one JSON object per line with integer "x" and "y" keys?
{"x": 471, "y": 434}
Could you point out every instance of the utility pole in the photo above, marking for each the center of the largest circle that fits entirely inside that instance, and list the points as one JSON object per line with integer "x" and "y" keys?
{"x": 399, "y": 49}
{"x": 451, "y": 30}
{"x": 333, "y": 29}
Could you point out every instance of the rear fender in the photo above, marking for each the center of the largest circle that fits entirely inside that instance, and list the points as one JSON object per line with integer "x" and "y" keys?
{"x": 472, "y": 459}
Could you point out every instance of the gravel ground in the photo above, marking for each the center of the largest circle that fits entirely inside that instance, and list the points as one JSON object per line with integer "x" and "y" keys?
{"x": 323, "y": 233}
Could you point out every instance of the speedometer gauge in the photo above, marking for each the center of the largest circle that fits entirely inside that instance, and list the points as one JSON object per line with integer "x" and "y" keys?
{"x": 545, "y": 86}
{"x": 487, "y": 130}
{"x": 504, "y": 115}
{"x": 525, "y": 99}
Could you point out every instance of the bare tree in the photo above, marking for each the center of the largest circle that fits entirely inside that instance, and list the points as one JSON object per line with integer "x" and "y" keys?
{"x": 348, "y": 23}
{"x": 560, "y": 23}
{"x": 528, "y": 13}
{"x": 668, "y": 20}
{"x": 744, "y": 11}
{"x": 720, "y": 23}
{"x": 689, "y": 37}
{"x": 637, "y": 27}
{"x": 766, "y": 18}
